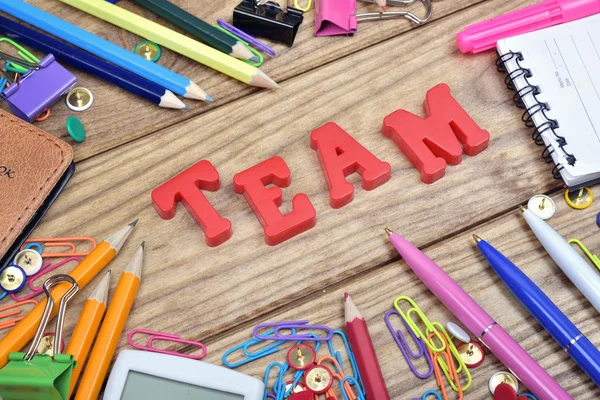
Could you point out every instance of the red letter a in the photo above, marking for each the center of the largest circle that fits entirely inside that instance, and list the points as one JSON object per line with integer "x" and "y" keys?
{"x": 432, "y": 142}
{"x": 341, "y": 155}
{"x": 185, "y": 188}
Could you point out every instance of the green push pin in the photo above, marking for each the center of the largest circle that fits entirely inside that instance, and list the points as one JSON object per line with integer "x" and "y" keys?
{"x": 76, "y": 129}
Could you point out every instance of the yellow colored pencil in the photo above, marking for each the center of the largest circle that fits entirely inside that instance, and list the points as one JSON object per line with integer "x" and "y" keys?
{"x": 175, "y": 41}
{"x": 87, "y": 327}
{"x": 83, "y": 273}
{"x": 111, "y": 329}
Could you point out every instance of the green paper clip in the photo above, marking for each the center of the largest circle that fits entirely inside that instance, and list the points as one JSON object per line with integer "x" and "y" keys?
{"x": 252, "y": 49}
{"x": 26, "y": 55}
{"x": 31, "y": 376}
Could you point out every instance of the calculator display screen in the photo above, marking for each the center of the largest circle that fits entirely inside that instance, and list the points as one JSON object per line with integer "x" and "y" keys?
{"x": 141, "y": 386}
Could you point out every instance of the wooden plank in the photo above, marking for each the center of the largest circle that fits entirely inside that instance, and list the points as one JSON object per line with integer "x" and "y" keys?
{"x": 118, "y": 117}
{"x": 114, "y": 187}
{"x": 375, "y": 291}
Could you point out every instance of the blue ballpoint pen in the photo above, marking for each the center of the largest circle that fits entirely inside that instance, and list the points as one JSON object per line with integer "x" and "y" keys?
{"x": 575, "y": 344}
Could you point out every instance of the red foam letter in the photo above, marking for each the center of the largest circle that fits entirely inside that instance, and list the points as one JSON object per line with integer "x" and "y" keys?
{"x": 185, "y": 188}
{"x": 341, "y": 155}
{"x": 432, "y": 142}
{"x": 265, "y": 202}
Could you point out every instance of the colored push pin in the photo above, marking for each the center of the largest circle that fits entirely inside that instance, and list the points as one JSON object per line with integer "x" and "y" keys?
{"x": 471, "y": 353}
{"x": 503, "y": 377}
{"x": 12, "y": 278}
{"x": 458, "y": 332}
{"x": 80, "y": 99}
{"x": 149, "y": 50}
{"x": 46, "y": 345}
{"x": 30, "y": 260}
{"x": 301, "y": 357}
{"x": 76, "y": 129}
{"x": 318, "y": 379}
{"x": 542, "y": 206}
{"x": 505, "y": 392}
{"x": 579, "y": 199}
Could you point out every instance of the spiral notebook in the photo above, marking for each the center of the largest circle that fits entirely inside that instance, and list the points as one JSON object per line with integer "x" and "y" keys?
{"x": 555, "y": 73}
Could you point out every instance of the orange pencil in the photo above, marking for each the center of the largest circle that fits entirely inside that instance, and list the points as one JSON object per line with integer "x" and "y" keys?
{"x": 112, "y": 327}
{"x": 87, "y": 327}
{"x": 87, "y": 269}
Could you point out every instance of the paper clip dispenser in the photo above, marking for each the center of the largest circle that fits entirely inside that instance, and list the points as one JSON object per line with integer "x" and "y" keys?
{"x": 34, "y": 376}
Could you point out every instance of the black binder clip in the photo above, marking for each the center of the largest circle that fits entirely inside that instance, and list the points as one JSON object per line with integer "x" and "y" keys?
{"x": 268, "y": 20}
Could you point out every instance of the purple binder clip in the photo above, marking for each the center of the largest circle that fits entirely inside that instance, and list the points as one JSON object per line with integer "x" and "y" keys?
{"x": 38, "y": 89}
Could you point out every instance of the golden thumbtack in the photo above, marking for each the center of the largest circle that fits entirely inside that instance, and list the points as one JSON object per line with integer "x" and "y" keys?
{"x": 579, "y": 199}
{"x": 12, "y": 278}
{"x": 80, "y": 99}
{"x": 542, "y": 206}
{"x": 149, "y": 50}
{"x": 318, "y": 379}
{"x": 30, "y": 260}
{"x": 503, "y": 377}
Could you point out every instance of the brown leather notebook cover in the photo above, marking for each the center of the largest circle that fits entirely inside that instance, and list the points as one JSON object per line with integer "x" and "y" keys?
{"x": 32, "y": 162}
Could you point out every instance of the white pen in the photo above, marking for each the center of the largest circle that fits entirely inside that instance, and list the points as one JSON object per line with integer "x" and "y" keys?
{"x": 583, "y": 276}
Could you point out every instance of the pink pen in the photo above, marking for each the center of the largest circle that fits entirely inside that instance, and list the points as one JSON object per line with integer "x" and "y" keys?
{"x": 481, "y": 325}
{"x": 484, "y": 35}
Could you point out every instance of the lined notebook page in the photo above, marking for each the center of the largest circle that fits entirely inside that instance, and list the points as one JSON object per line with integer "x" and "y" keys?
{"x": 565, "y": 64}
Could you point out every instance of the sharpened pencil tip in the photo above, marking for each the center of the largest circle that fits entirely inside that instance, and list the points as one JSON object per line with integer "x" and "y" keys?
{"x": 522, "y": 208}
{"x": 209, "y": 99}
{"x": 134, "y": 222}
{"x": 388, "y": 231}
{"x": 254, "y": 59}
{"x": 143, "y": 245}
{"x": 477, "y": 238}
{"x": 384, "y": 8}
{"x": 346, "y": 295}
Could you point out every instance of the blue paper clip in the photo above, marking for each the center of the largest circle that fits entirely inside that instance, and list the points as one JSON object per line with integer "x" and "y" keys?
{"x": 405, "y": 348}
{"x": 271, "y": 348}
{"x": 291, "y": 325}
{"x": 532, "y": 397}
{"x": 278, "y": 381}
{"x": 2, "y": 294}
{"x": 435, "y": 393}
{"x": 337, "y": 355}
{"x": 353, "y": 382}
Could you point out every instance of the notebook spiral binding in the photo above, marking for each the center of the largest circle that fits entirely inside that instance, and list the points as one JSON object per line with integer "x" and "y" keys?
{"x": 539, "y": 107}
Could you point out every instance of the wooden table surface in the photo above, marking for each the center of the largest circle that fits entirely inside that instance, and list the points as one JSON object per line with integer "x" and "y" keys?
{"x": 216, "y": 295}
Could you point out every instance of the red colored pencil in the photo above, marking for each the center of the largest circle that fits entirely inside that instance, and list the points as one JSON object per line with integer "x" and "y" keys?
{"x": 364, "y": 352}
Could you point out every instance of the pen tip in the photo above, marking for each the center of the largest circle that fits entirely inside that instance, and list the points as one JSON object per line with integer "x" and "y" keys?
{"x": 477, "y": 238}
{"x": 143, "y": 245}
{"x": 388, "y": 231}
{"x": 522, "y": 208}
{"x": 134, "y": 222}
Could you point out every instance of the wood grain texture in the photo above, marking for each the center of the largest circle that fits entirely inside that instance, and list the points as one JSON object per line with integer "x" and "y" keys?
{"x": 374, "y": 293}
{"x": 118, "y": 117}
{"x": 183, "y": 273}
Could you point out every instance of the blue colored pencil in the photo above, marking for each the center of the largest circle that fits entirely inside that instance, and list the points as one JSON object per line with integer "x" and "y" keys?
{"x": 91, "y": 64}
{"x": 103, "y": 48}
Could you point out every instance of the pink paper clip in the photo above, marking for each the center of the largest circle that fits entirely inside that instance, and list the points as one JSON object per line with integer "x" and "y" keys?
{"x": 167, "y": 337}
{"x": 47, "y": 267}
{"x": 339, "y": 17}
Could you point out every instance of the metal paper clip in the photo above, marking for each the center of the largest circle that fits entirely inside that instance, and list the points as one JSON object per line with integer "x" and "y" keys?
{"x": 63, "y": 242}
{"x": 405, "y": 348}
{"x": 46, "y": 268}
{"x": 438, "y": 375}
{"x": 351, "y": 381}
{"x": 399, "y": 14}
{"x": 271, "y": 348}
{"x": 349, "y": 352}
{"x": 167, "y": 337}
{"x": 13, "y": 322}
{"x": 413, "y": 326}
{"x": 453, "y": 354}
{"x": 593, "y": 258}
{"x": 340, "y": 374}
{"x": 302, "y": 324}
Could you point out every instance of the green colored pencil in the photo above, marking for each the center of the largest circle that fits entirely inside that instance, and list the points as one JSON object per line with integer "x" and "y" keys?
{"x": 198, "y": 28}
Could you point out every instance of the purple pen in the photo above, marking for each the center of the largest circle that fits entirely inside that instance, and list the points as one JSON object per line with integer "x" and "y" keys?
{"x": 244, "y": 36}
